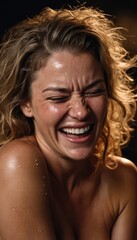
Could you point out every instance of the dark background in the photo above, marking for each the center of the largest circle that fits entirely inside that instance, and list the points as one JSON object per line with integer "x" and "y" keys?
{"x": 124, "y": 14}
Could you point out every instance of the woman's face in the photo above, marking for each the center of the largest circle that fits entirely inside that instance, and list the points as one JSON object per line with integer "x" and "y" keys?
{"x": 69, "y": 105}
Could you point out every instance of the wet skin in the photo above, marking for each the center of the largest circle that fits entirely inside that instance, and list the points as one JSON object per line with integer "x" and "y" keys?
{"x": 49, "y": 180}
{"x": 71, "y": 91}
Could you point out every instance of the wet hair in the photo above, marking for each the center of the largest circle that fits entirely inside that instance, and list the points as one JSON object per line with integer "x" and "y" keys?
{"x": 26, "y": 48}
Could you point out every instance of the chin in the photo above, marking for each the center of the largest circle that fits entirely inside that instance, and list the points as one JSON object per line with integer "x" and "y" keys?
{"x": 79, "y": 155}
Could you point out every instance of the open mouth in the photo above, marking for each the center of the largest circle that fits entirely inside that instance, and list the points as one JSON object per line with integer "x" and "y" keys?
{"x": 77, "y": 131}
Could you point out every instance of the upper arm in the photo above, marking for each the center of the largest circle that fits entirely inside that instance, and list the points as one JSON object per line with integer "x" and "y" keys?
{"x": 125, "y": 226}
{"x": 24, "y": 201}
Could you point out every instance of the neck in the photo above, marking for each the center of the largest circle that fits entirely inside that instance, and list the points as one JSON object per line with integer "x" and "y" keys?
{"x": 70, "y": 173}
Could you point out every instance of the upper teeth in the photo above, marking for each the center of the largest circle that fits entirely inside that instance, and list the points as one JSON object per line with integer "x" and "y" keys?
{"x": 76, "y": 130}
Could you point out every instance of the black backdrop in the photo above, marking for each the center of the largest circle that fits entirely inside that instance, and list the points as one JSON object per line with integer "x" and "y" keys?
{"x": 125, "y": 14}
{"x": 13, "y": 11}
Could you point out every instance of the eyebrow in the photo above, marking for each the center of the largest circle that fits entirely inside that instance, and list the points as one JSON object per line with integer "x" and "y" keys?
{"x": 66, "y": 90}
{"x": 56, "y": 89}
{"x": 90, "y": 85}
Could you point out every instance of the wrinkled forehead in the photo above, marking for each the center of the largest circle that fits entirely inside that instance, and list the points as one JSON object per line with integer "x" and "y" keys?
{"x": 70, "y": 70}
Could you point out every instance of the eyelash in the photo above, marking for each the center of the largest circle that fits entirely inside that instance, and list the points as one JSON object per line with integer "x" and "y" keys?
{"x": 95, "y": 92}
{"x": 62, "y": 99}
{"x": 58, "y": 99}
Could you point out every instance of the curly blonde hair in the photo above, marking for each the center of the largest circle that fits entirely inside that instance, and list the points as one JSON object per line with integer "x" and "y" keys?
{"x": 26, "y": 48}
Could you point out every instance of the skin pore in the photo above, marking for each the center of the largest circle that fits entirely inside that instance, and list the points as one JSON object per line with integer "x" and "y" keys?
{"x": 71, "y": 91}
{"x": 68, "y": 198}
{"x": 69, "y": 106}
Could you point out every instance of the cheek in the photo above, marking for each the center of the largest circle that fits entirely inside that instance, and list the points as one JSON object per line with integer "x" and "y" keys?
{"x": 53, "y": 109}
{"x": 99, "y": 106}
{"x": 53, "y": 113}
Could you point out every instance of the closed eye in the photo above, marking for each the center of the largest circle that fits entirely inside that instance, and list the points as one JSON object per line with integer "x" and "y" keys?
{"x": 59, "y": 99}
{"x": 96, "y": 92}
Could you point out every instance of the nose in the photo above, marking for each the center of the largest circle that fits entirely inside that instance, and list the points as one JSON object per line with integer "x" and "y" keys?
{"x": 79, "y": 109}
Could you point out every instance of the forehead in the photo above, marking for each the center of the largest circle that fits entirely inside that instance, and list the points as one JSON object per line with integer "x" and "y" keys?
{"x": 64, "y": 67}
{"x": 66, "y": 59}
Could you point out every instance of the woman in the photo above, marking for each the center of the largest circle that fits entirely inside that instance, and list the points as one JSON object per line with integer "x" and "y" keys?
{"x": 66, "y": 105}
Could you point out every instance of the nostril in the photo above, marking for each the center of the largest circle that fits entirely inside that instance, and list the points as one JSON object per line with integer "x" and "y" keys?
{"x": 79, "y": 109}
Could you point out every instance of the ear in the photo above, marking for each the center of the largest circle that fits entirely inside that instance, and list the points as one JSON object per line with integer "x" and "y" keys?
{"x": 26, "y": 109}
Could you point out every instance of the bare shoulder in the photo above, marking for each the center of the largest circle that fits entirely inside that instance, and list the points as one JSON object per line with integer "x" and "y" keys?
{"x": 22, "y": 159}
{"x": 20, "y": 154}
{"x": 127, "y": 170}
{"x": 123, "y": 166}
{"x": 120, "y": 185}
{"x": 24, "y": 202}
{"x": 120, "y": 174}
{"x": 18, "y": 146}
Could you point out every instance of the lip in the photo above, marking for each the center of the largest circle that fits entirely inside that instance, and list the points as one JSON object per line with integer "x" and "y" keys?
{"x": 78, "y": 138}
{"x": 76, "y": 131}
{"x": 77, "y": 125}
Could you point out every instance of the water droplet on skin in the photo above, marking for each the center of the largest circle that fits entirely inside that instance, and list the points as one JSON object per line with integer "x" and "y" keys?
{"x": 12, "y": 165}
{"x": 14, "y": 209}
{"x": 36, "y": 162}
